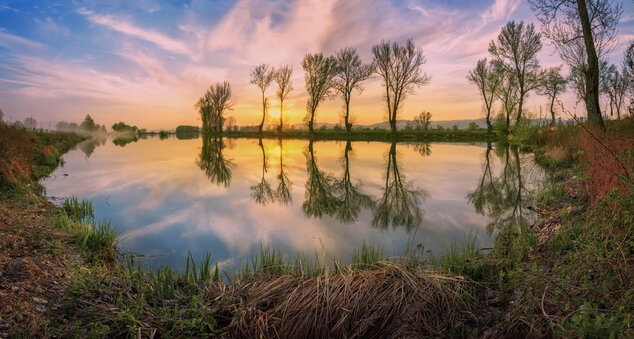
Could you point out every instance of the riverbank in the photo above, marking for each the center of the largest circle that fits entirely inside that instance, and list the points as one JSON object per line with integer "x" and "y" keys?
{"x": 369, "y": 135}
{"x": 568, "y": 274}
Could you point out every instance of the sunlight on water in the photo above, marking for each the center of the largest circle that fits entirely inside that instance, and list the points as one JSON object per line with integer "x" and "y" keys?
{"x": 229, "y": 196}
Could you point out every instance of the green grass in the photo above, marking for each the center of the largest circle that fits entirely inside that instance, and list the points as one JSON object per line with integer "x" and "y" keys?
{"x": 98, "y": 237}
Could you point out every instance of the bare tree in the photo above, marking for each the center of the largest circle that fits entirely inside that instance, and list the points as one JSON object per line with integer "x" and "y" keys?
{"x": 319, "y": 72}
{"x": 284, "y": 86}
{"x": 400, "y": 67}
{"x": 351, "y": 71}
{"x": 262, "y": 76}
{"x": 552, "y": 84}
{"x": 1, "y": 116}
{"x": 487, "y": 78}
{"x": 422, "y": 121}
{"x": 515, "y": 50}
{"x": 628, "y": 74}
{"x": 582, "y": 31}
{"x": 615, "y": 85}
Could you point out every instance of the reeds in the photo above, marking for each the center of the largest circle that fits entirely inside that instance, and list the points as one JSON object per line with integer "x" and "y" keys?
{"x": 98, "y": 237}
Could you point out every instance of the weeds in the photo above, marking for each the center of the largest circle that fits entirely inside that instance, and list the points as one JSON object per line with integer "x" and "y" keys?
{"x": 98, "y": 237}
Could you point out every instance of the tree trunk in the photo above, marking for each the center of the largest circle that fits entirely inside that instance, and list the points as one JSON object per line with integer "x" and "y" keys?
{"x": 310, "y": 123}
{"x": 281, "y": 115}
{"x": 592, "y": 75}
{"x": 263, "y": 113}
{"x": 348, "y": 125}
{"x": 521, "y": 103}
{"x": 552, "y": 111}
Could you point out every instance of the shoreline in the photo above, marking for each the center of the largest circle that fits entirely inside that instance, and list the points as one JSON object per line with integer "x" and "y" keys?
{"x": 105, "y": 298}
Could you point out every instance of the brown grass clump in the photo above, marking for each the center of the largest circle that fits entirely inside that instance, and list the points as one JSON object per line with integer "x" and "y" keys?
{"x": 391, "y": 301}
{"x": 559, "y": 153}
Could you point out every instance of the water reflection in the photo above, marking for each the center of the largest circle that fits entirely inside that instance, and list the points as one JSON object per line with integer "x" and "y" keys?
{"x": 173, "y": 196}
{"x": 321, "y": 187}
{"x": 351, "y": 199}
{"x": 213, "y": 162}
{"x": 88, "y": 146}
{"x": 504, "y": 199}
{"x": 400, "y": 203}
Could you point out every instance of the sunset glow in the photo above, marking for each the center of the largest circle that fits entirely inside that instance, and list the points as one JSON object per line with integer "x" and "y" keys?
{"x": 147, "y": 63}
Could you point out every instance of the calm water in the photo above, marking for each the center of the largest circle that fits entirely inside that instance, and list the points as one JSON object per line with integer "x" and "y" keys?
{"x": 230, "y": 196}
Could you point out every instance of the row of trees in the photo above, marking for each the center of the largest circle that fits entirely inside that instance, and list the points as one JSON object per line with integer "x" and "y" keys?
{"x": 582, "y": 35}
{"x": 583, "y": 32}
{"x": 400, "y": 67}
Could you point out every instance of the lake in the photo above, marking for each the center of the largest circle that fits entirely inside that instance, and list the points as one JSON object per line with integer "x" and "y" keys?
{"x": 231, "y": 196}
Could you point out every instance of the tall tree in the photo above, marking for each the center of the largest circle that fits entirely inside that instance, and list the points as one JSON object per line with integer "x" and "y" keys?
{"x": 515, "y": 50}
{"x": 400, "y": 68}
{"x": 262, "y": 76}
{"x": 351, "y": 72}
{"x": 422, "y": 121}
{"x": 552, "y": 85}
{"x": 582, "y": 31}
{"x": 284, "y": 86}
{"x": 213, "y": 105}
{"x": 487, "y": 78}
{"x": 508, "y": 93}
{"x": 319, "y": 73}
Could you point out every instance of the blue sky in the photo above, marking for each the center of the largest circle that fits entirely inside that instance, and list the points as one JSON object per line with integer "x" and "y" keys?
{"x": 146, "y": 62}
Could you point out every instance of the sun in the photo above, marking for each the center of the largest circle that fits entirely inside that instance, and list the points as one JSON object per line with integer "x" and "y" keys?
{"x": 275, "y": 114}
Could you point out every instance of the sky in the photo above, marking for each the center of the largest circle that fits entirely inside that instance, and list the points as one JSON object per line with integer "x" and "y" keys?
{"x": 147, "y": 62}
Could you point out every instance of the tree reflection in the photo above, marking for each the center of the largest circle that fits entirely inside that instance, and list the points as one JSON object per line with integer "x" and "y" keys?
{"x": 503, "y": 198}
{"x": 400, "y": 203}
{"x": 283, "y": 191}
{"x": 423, "y": 148}
{"x": 211, "y": 160}
{"x": 320, "y": 195}
{"x": 351, "y": 199}
{"x": 88, "y": 146}
{"x": 262, "y": 192}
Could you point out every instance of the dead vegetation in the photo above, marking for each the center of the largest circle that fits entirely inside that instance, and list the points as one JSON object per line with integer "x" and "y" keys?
{"x": 388, "y": 302}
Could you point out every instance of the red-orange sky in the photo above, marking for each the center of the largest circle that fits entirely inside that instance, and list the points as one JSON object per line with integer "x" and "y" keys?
{"x": 146, "y": 62}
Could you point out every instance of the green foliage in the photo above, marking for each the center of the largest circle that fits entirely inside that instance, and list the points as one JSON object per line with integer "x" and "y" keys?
{"x": 473, "y": 126}
{"x": 367, "y": 256}
{"x": 123, "y": 127}
{"x": 97, "y": 237}
{"x": 187, "y": 129}
{"x": 524, "y": 134}
{"x": 552, "y": 194}
{"x": 463, "y": 259}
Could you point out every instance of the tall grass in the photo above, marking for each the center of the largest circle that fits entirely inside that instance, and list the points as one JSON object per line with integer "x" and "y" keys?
{"x": 98, "y": 237}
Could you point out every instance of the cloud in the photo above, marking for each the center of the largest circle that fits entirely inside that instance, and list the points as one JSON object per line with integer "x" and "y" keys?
{"x": 127, "y": 28}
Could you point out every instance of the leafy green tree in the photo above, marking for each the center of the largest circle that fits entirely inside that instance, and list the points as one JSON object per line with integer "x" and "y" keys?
{"x": 473, "y": 126}
{"x": 350, "y": 73}
{"x": 213, "y": 105}
{"x": 516, "y": 52}
{"x": 319, "y": 73}
{"x": 400, "y": 68}
{"x": 88, "y": 124}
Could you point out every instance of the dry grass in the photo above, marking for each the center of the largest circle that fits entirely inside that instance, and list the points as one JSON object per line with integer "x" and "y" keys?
{"x": 391, "y": 301}
{"x": 559, "y": 153}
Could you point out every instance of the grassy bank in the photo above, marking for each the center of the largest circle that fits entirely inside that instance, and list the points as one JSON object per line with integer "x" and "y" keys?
{"x": 569, "y": 274}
